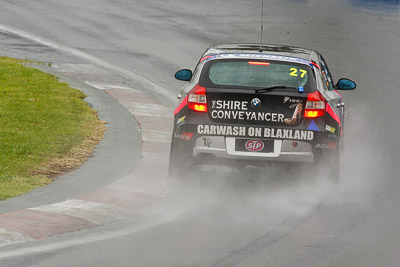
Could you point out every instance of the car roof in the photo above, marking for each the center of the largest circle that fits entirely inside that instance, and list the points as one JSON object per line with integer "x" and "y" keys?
{"x": 266, "y": 49}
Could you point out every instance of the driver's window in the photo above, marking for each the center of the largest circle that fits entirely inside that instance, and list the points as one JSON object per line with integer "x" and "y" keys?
{"x": 328, "y": 81}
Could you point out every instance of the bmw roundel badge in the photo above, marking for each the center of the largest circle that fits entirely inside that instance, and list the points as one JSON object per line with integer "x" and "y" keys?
{"x": 256, "y": 103}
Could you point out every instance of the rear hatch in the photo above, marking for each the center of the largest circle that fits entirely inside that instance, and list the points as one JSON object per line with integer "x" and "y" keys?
{"x": 257, "y": 92}
{"x": 245, "y": 107}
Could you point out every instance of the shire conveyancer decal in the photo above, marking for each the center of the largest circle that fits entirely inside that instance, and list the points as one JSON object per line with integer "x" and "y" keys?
{"x": 238, "y": 110}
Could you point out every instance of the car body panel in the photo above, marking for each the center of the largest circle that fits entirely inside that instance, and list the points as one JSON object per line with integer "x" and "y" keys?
{"x": 277, "y": 131}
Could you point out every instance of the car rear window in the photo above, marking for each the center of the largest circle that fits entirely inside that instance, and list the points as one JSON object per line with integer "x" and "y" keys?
{"x": 257, "y": 74}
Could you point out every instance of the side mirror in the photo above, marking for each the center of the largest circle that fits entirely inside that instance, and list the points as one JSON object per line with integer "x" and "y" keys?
{"x": 345, "y": 84}
{"x": 184, "y": 75}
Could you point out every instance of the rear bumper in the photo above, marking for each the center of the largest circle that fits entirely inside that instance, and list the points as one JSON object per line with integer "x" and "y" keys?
{"x": 220, "y": 147}
{"x": 216, "y": 142}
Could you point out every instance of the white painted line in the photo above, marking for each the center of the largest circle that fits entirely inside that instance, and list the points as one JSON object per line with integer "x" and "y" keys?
{"x": 94, "y": 237}
{"x": 139, "y": 183}
{"x": 80, "y": 68}
{"x": 97, "y": 61}
{"x": 9, "y": 238}
{"x": 97, "y": 213}
{"x": 156, "y": 136}
{"x": 111, "y": 86}
{"x": 147, "y": 109}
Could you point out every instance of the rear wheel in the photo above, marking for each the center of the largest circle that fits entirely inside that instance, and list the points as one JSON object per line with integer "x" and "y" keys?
{"x": 329, "y": 164}
{"x": 179, "y": 162}
{"x": 334, "y": 167}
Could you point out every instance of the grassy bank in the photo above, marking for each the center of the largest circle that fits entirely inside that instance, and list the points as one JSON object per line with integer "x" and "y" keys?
{"x": 45, "y": 128}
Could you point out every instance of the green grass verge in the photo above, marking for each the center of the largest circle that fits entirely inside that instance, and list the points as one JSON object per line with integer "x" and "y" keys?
{"x": 45, "y": 128}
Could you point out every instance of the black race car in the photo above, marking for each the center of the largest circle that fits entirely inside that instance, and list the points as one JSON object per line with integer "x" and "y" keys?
{"x": 248, "y": 104}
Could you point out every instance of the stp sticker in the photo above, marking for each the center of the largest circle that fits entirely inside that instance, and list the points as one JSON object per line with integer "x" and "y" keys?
{"x": 254, "y": 145}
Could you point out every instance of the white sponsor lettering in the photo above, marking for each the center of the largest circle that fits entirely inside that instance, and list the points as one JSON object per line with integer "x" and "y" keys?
{"x": 254, "y": 131}
{"x": 228, "y": 104}
{"x": 288, "y": 134}
{"x": 237, "y": 110}
{"x": 246, "y": 115}
{"x": 226, "y": 130}
{"x": 221, "y": 130}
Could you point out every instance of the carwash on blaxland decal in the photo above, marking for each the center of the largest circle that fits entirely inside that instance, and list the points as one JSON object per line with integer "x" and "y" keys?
{"x": 228, "y": 130}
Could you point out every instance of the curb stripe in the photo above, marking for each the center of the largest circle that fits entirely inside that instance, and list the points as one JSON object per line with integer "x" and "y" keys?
{"x": 77, "y": 214}
{"x": 9, "y": 238}
{"x": 127, "y": 200}
{"x": 40, "y": 225}
{"x": 89, "y": 239}
{"x": 96, "y": 213}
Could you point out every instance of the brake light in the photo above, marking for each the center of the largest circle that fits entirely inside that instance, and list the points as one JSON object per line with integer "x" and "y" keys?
{"x": 197, "y": 99}
{"x": 315, "y": 106}
{"x": 259, "y": 63}
{"x": 313, "y": 113}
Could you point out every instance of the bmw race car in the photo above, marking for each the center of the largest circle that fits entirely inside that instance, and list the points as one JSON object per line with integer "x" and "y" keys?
{"x": 248, "y": 104}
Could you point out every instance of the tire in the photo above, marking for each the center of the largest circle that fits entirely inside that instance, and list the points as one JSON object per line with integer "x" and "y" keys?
{"x": 329, "y": 164}
{"x": 334, "y": 167}
{"x": 179, "y": 163}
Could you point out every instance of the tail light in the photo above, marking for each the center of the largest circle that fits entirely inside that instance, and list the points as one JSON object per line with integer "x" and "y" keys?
{"x": 315, "y": 106}
{"x": 197, "y": 99}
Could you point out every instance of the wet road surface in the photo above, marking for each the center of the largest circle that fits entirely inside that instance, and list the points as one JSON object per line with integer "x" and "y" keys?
{"x": 253, "y": 217}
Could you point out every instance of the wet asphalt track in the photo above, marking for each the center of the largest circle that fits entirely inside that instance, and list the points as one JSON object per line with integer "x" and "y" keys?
{"x": 233, "y": 218}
